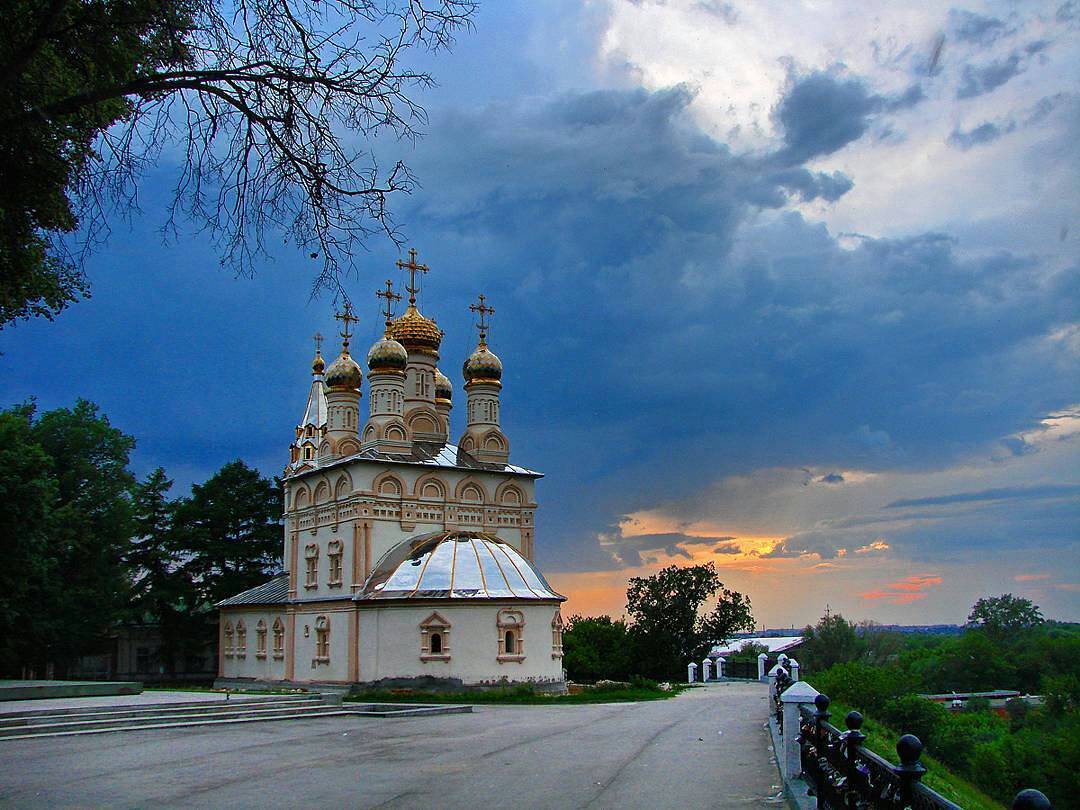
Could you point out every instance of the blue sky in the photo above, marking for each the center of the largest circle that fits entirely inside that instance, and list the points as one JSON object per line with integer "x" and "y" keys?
{"x": 794, "y": 290}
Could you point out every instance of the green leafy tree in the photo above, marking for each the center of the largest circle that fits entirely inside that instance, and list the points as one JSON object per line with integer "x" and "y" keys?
{"x": 67, "y": 522}
{"x": 1004, "y": 616}
{"x": 255, "y": 97}
{"x": 832, "y": 640}
{"x": 595, "y": 648}
{"x": 228, "y": 533}
{"x": 670, "y": 625}
{"x": 28, "y": 492}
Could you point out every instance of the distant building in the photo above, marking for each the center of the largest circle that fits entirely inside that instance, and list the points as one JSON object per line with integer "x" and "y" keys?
{"x": 409, "y": 559}
{"x": 774, "y": 645}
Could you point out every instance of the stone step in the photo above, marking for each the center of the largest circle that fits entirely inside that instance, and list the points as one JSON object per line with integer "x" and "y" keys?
{"x": 298, "y": 713}
{"x": 135, "y": 709}
{"x": 153, "y": 724}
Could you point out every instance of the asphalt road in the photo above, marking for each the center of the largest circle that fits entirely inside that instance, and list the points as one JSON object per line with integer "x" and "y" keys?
{"x": 706, "y": 748}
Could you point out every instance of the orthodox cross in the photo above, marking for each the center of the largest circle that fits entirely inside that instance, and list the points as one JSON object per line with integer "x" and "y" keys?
{"x": 483, "y": 310}
{"x": 347, "y": 319}
{"x": 390, "y": 297}
{"x": 413, "y": 268}
{"x": 318, "y": 343}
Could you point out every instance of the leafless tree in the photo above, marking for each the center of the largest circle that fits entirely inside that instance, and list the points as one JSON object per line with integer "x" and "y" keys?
{"x": 269, "y": 106}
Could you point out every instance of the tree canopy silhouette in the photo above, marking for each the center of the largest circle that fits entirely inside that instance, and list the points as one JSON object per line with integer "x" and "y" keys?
{"x": 263, "y": 100}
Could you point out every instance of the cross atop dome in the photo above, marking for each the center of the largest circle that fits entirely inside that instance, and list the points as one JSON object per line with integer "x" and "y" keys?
{"x": 347, "y": 319}
{"x": 391, "y": 297}
{"x": 413, "y": 269}
{"x": 483, "y": 311}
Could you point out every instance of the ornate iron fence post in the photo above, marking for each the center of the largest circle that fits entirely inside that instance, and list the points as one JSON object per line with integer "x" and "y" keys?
{"x": 821, "y": 715}
{"x": 853, "y": 737}
{"x": 1031, "y": 800}
{"x": 909, "y": 748}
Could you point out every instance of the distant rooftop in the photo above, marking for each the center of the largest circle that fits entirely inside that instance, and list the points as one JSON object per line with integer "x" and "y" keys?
{"x": 774, "y": 644}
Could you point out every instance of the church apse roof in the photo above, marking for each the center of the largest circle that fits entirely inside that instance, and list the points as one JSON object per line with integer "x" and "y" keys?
{"x": 455, "y": 565}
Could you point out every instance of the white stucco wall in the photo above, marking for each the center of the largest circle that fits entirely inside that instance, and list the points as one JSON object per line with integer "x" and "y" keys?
{"x": 390, "y": 643}
{"x": 251, "y": 665}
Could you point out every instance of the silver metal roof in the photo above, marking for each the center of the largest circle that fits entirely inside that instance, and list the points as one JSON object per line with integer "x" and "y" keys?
{"x": 315, "y": 412}
{"x": 455, "y": 565}
{"x": 274, "y": 592}
{"x": 432, "y": 454}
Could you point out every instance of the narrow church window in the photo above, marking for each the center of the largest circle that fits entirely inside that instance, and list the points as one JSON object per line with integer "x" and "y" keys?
{"x": 435, "y": 638}
{"x": 322, "y": 639}
{"x": 241, "y": 640}
{"x": 311, "y": 558}
{"x": 334, "y": 552}
{"x": 511, "y": 624}
{"x": 279, "y": 638}
{"x": 228, "y": 640}
{"x": 309, "y": 454}
{"x": 260, "y": 639}
{"x": 556, "y": 636}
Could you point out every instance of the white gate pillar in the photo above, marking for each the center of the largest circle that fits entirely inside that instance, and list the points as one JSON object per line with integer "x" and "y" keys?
{"x": 762, "y": 659}
{"x": 706, "y": 669}
{"x": 720, "y": 667}
{"x": 794, "y": 666}
{"x": 691, "y": 672}
{"x": 796, "y": 696}
{"x": 772, "y": 680}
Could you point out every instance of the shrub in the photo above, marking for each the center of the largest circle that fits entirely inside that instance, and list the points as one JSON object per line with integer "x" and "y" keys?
{"x": 861, "y": 686}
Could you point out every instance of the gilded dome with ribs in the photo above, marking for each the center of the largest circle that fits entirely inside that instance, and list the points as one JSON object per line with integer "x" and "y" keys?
{"x": 415, "y": 332}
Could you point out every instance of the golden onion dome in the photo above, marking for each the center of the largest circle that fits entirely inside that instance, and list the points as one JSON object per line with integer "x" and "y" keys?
{"x": 443, "y": 388}
{"x": 387, "y": 355}
{"x": 343, "y": 374}
{"x": 415, "y": 332}
{"x": 483, "y": 365}
{"x": 318, "y": 364}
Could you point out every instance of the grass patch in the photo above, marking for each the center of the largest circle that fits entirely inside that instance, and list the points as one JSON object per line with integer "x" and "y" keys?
{"x": 881, "y": 739}
{"x": 512, "y": 695}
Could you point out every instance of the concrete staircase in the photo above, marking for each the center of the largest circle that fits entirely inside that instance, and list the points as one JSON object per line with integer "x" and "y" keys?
{"x": 135, "y": 717}
{"x": 98, "y": 719}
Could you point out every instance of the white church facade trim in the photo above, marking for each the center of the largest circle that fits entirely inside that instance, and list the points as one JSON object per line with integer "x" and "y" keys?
{"x": 407, "y": 557}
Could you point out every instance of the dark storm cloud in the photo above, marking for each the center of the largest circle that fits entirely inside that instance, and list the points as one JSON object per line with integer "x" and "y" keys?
{"x": 821, "y": 114}
{"x": 975, "y": 81}
{"x": 682, "y": 334}
{"x": 968, "y": 26}
{"x": 982, "y": 134}
{"x": 1000, "y": 494}
{"x": 628, "y": 550}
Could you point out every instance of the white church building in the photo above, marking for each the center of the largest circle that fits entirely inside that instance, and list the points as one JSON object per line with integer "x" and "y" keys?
{"x": 408, "y": 558}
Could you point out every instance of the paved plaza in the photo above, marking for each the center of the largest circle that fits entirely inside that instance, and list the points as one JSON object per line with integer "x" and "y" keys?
{"x": 706, "y": 748}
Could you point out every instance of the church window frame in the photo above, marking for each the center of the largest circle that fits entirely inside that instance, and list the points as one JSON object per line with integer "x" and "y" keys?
{"x": 241, "y": 639}
{"x": 311, "y": 561}
{"x": 511, "y": 635}
{"x": 435, "y": 627}
{"x": 260, "y": 639}
{"x": 228, "y": 643}
{"x": 557, "y": 628}
{"x": 279, "y": 638}
{"x": 322, "y": 640}
{"x": 335, "y": 551}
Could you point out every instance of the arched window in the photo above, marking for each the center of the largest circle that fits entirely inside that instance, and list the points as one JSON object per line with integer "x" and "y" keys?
{"x": 322, "y": 639}
{"x": 260, "y": 639}
{"x": 511, "y": 626}
{"x": 435, "y": 638}
{"x": 309, "y": 453}
{"x": 241, "y": 639}
{"x": 228, "y": 640}
{"x": 334, "y": 551}
{"x": 279, "y": 638}
{"x": 556, "y": 635}
{"x": 311, "y": 573}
